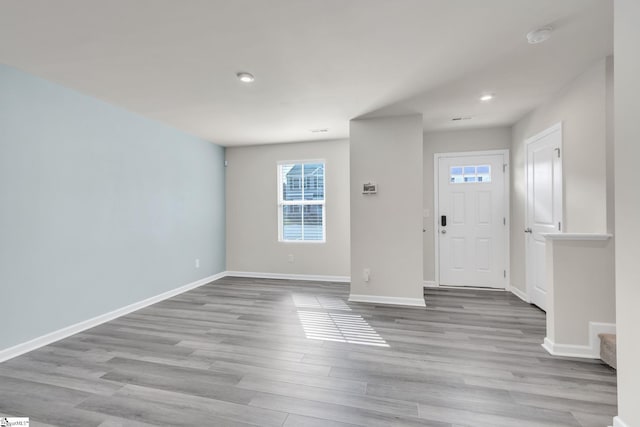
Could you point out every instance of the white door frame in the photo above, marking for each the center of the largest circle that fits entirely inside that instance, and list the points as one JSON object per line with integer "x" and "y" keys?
{"x": 507, "y": 206}
{"x": 530, "y": 140}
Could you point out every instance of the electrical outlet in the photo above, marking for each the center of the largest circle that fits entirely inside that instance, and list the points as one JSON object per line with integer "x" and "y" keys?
{"x": 290, "y": 258}
{"x": 197, "y": 262}
{"x": 366, "y": 273}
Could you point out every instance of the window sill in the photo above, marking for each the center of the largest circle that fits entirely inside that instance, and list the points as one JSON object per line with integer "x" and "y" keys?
{"x": 304, "y": 242}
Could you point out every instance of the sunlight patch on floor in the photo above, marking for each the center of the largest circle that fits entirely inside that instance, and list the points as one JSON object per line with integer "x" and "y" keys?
{"x": 319, "y": 324}
{"x": 327, "y": 303}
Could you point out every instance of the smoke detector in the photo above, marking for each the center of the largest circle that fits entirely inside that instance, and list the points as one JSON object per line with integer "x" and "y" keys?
{"x": 540, "y": 35}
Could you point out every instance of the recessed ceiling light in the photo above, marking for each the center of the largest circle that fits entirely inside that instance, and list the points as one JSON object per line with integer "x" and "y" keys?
{"x": 487, "y": 97}
{"x": 245, "y": 77}
{"x": 539, "y": 35}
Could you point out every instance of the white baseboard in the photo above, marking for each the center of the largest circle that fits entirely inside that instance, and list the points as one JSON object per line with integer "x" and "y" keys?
{"x": 472, "y": 288}
{"x": 589, "y": 351}
{"x": 375, "y": 299}
{"x": 567, "y": 350}
{"x": 617, "y": 422}
{"x": 522, "y": 295}
{"x": 17, "y": 350}
{"x": 430, "y": 284}
{"x": 306, "y": 277}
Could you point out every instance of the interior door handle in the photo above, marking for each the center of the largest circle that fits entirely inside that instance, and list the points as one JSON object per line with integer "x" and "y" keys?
{"x": 528, "y": 230}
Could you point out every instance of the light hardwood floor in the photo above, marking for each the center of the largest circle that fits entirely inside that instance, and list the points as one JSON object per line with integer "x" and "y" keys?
{"x": 242, "y": 352}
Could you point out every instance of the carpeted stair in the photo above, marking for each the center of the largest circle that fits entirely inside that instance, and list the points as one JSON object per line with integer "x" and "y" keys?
{"x": 608, "y": 349}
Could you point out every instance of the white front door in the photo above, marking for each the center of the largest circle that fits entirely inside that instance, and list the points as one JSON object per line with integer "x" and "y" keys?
{"x": 472, "y": 222}
{"x": 544, "y": 206}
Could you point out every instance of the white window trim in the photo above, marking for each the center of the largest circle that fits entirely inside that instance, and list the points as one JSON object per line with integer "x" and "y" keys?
{"x": 281, "y": 203}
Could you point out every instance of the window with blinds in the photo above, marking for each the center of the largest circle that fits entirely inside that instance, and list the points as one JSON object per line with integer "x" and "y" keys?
{"x": 301, "y": 196}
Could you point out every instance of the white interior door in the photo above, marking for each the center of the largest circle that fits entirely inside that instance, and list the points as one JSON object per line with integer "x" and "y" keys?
{"x": 471, "y": 224}
{"x": 544, "y": 206}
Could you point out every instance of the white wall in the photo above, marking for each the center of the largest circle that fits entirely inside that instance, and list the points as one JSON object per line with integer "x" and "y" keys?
{"x": 580, "y": 288}
{"x": 627, "y": 203}
{"x": 610, "y": 148}
{"x": 386, "y": 228}
{"x": 252, "y": 211}
{"x": 581, "y": 107}
{"x": 450, "y": 142}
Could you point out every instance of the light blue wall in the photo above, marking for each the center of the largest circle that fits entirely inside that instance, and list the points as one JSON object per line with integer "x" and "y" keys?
{"x": 99, "y": 207}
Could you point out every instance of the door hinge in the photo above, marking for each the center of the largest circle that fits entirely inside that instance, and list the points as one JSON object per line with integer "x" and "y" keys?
{"x": 504, "y": 220}
{"x": 504, "y": 273}
{"x": 557, "y": 150}
{"x": 559, "y": 226}
{"x": 504, "y": 167}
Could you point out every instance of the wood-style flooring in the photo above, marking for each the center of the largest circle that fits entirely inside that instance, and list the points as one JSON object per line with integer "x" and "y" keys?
{"x": 240, "y": 352}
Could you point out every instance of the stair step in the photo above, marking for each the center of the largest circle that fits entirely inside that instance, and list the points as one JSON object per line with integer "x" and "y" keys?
{"x": 608, "y": 349}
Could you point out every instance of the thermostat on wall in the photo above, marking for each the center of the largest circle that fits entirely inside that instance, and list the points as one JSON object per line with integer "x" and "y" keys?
{"x": 369, "y": 188}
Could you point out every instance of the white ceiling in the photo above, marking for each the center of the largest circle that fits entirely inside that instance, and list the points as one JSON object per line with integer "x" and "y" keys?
{"x": 317, "y": 63}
